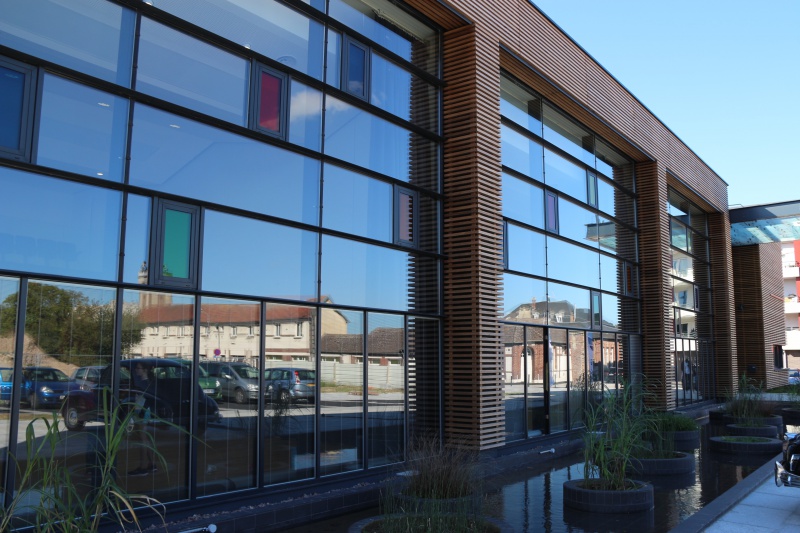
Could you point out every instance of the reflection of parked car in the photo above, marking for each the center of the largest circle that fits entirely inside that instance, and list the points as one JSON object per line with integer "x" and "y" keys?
{"x": 168, "y": 398}
{"x": 239, "y": 380}
{"x": 290, "y": 384}
{"x": 46, "y": 386}
{"x": 210, "y": 385}
{"x": 87, "y": 377}
{"x": 794, "y": 377}
{"x": 6, "y": 377}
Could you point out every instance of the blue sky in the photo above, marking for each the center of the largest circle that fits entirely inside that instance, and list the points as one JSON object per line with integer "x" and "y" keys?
{"x": 723, "y": 75}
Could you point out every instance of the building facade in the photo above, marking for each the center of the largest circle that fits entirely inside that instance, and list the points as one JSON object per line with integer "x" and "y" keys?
{"x": 449, "y": 213}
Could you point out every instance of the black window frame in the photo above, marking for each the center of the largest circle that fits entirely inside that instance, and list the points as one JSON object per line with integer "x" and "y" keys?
{"x": 414, "y": 196}
{"x": 24, "y": 150}
{"x": 156, "y": 274}
{"x": 283, "y": 131}
{"x": 348, "y": 41}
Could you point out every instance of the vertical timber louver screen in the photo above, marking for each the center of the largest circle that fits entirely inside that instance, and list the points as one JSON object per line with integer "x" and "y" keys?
{"x": 473, "y": 365}
{"x": 719, "y": 237}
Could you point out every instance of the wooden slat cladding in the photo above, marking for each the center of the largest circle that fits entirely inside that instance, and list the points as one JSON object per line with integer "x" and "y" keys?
{"x": 719, "y": 233}
{"x": 473, "y": 354}
{"x": 571, "y": 79}
{"x": 758, "y": 277}
{"x": 655, "y": 284}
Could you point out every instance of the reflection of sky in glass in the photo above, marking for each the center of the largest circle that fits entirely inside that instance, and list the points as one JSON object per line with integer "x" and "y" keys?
{"x": 137, "y": 237}
{"x": 58, "y": 227}
{"x": 526, "y": 251}
{"x": 359, "y": 274}
{"x": 568, "y": 262}
{"x": 305, "y": 116}
{"x": 358, "y": 137}
{"x": 390, "y": 87}
{"x": 365, "y": 25}
{"x": 520, "y": 153}
{"x": 82, "y": 130}
{"x": 266, "y": 26}
{"x": 357, "y": 204}
{"x": 92, "y": 36}
{"x": 610, "y": 311}
{"x": 564, "y": 175}
{"x": 523, "y": 201}
{"x": 518, "y": 290}
{"x": 189, "y": 72}
{"x": 183, "y": 157}
{"x": 246, "y": 256}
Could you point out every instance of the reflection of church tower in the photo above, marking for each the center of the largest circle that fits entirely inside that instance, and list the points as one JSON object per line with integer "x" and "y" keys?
{"x": 150, "y": 299}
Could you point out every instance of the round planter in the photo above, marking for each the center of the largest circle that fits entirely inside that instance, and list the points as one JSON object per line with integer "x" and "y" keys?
{"x": 765, "y": 446}
{"x": 772, "y": 420}
{"x": 492, "y": 524}
{"x": 752, "y": 431}
{"x": 412, "y": 504}
{"x": 685, "y": 441}
{"x": 577, "y": 496}
{"x": 682, "y": 463}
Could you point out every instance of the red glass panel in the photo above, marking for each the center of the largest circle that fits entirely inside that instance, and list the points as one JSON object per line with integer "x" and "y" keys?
{"x": 269, "y": 110}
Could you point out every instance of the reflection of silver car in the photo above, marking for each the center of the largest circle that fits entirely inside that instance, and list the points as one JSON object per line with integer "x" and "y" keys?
{"x": 794, "y": 377}
{"x": 286, "y": 385}
{"x": 239, "y": 380}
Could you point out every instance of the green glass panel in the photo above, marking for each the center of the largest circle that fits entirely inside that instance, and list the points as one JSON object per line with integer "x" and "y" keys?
{"x": 177, "y": 241}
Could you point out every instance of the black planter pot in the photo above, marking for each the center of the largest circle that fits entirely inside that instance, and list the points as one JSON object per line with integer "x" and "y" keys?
{"x": 682, "y": 463}
{"x": 791, "y": 415}
{"x": 764, "y": 446}
{"x": 772, "y": 420}
{"x": 578, "y": 496}
{"x": 752, "y": 431}
{"x": 685, "y": 441}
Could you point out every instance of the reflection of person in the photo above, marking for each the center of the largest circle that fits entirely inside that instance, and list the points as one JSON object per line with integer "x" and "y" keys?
{"x": 687, "y": 374}
{"x": 142, "y": 381}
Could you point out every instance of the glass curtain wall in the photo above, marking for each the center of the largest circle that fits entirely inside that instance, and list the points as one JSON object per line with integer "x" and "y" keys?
{"x": 169, "y": 247}
{"x": 571, "y": 262}
{"x": 691, "y": 345}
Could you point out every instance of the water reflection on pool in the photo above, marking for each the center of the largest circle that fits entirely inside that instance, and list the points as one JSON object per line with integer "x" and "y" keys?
{"x": 530, "y": 500}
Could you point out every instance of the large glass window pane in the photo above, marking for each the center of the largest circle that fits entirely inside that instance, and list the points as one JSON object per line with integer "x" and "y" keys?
{"x": 611, "y": 275}
{"x": 567, "y": 135}
{"x": 364, "y": 275}
{"x": 183, "y": 157}
{"x": 577, "y": 223}
{"x": 558, "y": 379}
{"x": 305, "y": 116}
{"x": 137, "y": 240}
{"x": 578, "y": 380}
{"x": 564, "y": 175}
{"x": 358, "y": 137}
{"x": 521, "y": 106}
{"x": 188, "y": 72}
{"x": 611, "y": 314}
{"x": 157, "y": 371}
{"x": 524, "y": 298}
{"x": 523, "y": 201}
{"x": 291, "y": 388}
{"x": 394, "y": 89}
{"x": 357, "y": 204}
{"x": 333, "y": 70}
{"x": 521, "y": 154}
{"x": 606, "y": 196}
{"x": 515, "y": 361}
{"x": 70, "y": 341}
{"x": 612, "y": 369}
{"x": 92, "y": 36}
{"x": 227, "y": 460}
{"x": 526, "y": 251}
{"x": 341, "y": 396}
{"x": 9, "y": 302}
{"x": 680, "y": 237}
{"x": 571, "y": 263}
{"x": 16, "y": 81}
{"x": 423, "y": 376}
{"x": 267, "y": 27}
{"x": 608, "y": 234}
{"x": 51, "y": 226}
{"x": 271, "y": 260}
{"x": 536, "y": 350}
{"x": 614, "y": 165}
{"x": 386, "y": 430}
{"x": 568, "y": 305}
{"x": 682, "y": 265}
{"x": 82, "y": 130}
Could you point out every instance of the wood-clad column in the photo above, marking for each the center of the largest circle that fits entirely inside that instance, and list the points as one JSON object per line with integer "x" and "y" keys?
{"x": 655, "y": 283}
{"x": 473, "y": 356}
{"x": 726, "y": 361}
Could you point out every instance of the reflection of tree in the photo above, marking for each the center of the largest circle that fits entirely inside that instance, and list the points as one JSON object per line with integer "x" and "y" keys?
{"x": 67, "y": 324}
